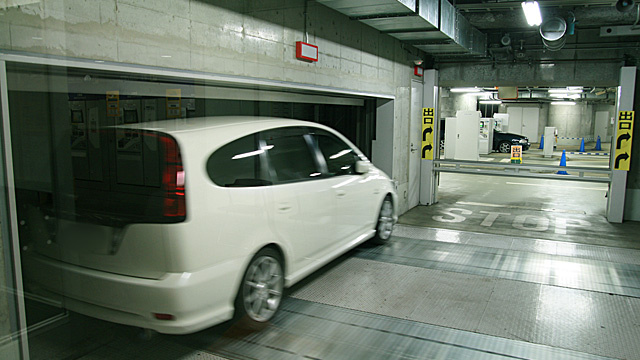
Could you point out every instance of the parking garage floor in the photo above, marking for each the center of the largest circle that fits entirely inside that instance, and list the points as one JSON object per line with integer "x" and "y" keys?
{"x": 476, "y": 276}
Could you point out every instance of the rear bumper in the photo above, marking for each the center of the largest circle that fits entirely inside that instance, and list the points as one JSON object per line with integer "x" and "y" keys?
{"x": 196, "y": 300}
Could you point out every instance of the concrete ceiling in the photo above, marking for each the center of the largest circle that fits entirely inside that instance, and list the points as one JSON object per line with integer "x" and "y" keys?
{"x": 589, "y": 39}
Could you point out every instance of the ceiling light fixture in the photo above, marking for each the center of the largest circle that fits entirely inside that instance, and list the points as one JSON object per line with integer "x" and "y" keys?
{"x": 567, "y": 90}
{"x": 490, "y": 102}
{"x": 563, "y": 103}
{"x": 466, "y": 90}
{"x": 532, "y": 12}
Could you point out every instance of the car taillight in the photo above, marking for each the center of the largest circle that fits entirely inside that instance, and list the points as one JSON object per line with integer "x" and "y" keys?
{"x": 173, "y": 179}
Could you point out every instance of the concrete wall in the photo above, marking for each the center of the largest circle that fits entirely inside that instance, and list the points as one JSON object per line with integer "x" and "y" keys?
{"x": 572, "y": 121}
{"x": 487, "y": 73}
{"x": 254, "y": 38}
{"x": 611, "y": 109}
{"x": 450, "y": 103}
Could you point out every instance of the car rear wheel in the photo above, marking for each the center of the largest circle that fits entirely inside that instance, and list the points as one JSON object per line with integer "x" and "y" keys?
{"x": 261, "y": 290}
{"x": 384, "y": 226}
{"x": 504, "y": 147}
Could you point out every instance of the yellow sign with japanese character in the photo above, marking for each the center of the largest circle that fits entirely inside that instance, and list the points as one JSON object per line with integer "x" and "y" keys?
{"x": 622, "y": 160}
{"x": 428, "y": 115}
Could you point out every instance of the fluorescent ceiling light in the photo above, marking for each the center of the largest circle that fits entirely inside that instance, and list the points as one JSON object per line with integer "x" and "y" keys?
{"x": 532, "y": 12}
{"x": 466, "y": 90}
{"x": 563, "y": 103}
{"x": 490, "y": 102}
{"x": 572, "y": 90}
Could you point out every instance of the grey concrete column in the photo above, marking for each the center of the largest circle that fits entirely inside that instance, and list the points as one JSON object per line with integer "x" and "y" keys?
{"x": 428, "y": 177}
{"x": 382, "y": 146}
{"x": 618, "y": 185}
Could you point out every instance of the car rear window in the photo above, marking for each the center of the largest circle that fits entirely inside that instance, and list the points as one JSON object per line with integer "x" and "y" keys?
{"x": 238, "y": 163}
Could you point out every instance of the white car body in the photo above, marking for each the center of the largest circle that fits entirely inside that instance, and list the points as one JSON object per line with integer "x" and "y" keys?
{"x": 191, "y": 270}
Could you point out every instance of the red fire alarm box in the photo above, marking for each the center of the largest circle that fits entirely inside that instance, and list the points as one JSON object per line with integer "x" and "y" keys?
{"x": 418, "y": 71}
{"x": 306, "y": 52}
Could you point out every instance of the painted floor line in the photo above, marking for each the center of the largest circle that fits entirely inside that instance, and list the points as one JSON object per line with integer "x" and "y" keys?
{"x": 556, "y": 186}
{"x": 520, "y": 207}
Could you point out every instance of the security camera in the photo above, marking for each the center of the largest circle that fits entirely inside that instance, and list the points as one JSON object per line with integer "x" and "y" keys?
{"x": 624, "y": 5}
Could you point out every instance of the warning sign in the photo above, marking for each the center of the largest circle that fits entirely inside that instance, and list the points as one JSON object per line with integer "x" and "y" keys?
{"x": 623, "y": 140}
{"x": 516, "y": 154}
{"x": 174, "y": 105}
{"x": 427, "y": 133}
{"x": 113, "y": 103}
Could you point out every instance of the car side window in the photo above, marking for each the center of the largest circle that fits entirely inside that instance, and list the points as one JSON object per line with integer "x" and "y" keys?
{"x": 289, "y": 154}
{"x": 340, "y": 157}
{"x": 238, "y": 164}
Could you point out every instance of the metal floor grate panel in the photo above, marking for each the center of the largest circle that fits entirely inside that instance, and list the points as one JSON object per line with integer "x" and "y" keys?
{"x": 584, "y": 321}
{"x": 566, "y": 271}
{"x": 307, "y": 330}
{"x": 550, "y": 247}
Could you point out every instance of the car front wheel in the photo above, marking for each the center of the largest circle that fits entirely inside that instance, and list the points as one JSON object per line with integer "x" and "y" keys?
{"x": 504, "y": 147}
{"x": 384, "y": 226}
{"x": 261, "y": 290}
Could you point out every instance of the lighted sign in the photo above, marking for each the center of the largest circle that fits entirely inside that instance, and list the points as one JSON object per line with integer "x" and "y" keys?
{"x": 516, "y": 154}
{"x": 306, "y": 52}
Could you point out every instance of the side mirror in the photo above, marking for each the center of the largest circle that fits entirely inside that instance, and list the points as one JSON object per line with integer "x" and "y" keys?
{"x": 363, "y": 167}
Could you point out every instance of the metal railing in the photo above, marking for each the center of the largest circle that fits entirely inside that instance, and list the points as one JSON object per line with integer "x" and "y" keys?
{"x": 602, "y": 175}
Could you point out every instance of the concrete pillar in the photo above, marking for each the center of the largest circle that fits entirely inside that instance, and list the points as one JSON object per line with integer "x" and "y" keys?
{"x": 618, "y": 186}
{"x": 428, "y": 177}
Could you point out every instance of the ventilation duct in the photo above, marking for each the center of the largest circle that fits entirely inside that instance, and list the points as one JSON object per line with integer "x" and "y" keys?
{"x": 430, "y": 25}
{"x": 553, "y": 33}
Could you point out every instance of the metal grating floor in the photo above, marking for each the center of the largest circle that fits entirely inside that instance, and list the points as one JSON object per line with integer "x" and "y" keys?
{"x": 428, "y": 294}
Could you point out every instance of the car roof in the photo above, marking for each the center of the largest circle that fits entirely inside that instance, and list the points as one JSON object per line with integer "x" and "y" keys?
{"x": 176, "y": 126}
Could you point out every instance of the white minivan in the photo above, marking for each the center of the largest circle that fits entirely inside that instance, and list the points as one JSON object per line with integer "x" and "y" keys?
{"x": 195, "y": 220}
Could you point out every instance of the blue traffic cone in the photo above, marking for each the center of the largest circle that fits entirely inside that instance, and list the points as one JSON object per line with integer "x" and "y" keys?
{"x": 582, "y": 145}
{"x": 598, "y": 144}
{"x": 541, "y": 142}
{"x": 563, "y": 162}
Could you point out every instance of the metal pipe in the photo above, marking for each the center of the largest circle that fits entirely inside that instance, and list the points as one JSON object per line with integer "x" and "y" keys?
{"x": 304, "y": 15}
{"x": 540, "y": 61}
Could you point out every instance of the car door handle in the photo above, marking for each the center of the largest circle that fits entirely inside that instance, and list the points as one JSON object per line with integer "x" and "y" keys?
{"x": 284, "y": 207}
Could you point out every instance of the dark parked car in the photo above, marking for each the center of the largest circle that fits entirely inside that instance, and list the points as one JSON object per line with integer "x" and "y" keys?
{"x": 502, "y": 141}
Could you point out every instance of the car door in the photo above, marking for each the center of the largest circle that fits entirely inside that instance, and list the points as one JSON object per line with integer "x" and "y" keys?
{"x": 356, "y": 199}
{"x": 302, "y": 203}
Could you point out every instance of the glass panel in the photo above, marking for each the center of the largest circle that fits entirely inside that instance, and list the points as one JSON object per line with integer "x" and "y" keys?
{"x": 10, "y": 338}
{"x": 84, "y": 173}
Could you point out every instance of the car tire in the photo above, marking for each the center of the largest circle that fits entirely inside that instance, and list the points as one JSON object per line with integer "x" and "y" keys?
{"x": 261, "y": 290}
{"x": 384, "y": 225}
{"x": 504, "y": 147}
